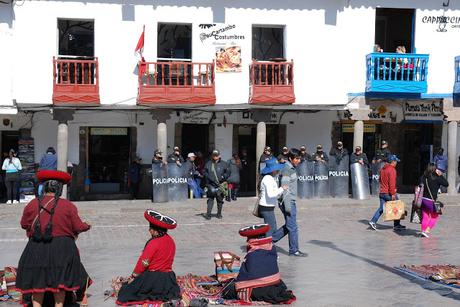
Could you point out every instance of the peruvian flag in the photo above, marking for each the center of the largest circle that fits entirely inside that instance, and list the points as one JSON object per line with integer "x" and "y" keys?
{"x": 140, "y": 44}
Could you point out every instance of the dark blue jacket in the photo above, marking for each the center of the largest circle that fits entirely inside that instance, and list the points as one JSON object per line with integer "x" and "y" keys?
{"x": 48, "y": 162}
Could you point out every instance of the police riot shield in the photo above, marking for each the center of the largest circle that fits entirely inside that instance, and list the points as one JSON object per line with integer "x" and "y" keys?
{"x": 305, "y": 179}
{"x": 262, "y": 166}
{"x": 177, "y": 182}
{"x": 159, "y": 183}
{"x": 375, "y": 180}
{"x": 339, "y": 176}
{"x": 359, "y": 181}
{"x": 321, "y": 184}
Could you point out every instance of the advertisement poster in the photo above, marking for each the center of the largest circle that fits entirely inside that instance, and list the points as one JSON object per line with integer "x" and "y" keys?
{"x": 224, "y": 40}
{"x": 228, "y": 59}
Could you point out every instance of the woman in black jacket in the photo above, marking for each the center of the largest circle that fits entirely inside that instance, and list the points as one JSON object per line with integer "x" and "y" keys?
{"x": 432, "y": 180}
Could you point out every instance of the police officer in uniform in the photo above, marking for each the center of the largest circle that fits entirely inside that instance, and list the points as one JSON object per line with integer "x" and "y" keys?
{"x": 216, "y": 173}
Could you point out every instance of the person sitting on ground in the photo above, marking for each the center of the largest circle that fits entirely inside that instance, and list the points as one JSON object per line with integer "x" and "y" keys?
{"x": 259, "y": 278}
{"x": 359, "y": 157}
{"x": 153, "y": 279}
{"x": 320, "y": 155}
{"x": 176, "y": 157}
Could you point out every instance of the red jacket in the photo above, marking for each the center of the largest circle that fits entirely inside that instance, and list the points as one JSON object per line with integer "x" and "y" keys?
{"x": 158, "y": 255}
{"x": 66, "y": 221}
{"x": 388, "y": 179}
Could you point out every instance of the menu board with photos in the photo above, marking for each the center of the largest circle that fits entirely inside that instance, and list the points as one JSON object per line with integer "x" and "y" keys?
{"x": 26, "y": 153}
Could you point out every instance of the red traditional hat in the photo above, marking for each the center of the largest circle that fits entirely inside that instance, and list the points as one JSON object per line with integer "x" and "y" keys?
{"x": 54, "y": 175}
{"x": 159, "y": 220}
{"x": 254, "y": 230}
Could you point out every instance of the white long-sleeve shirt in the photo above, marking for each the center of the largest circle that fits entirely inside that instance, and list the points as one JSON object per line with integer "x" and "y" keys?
{"x": 12, "y": 167}
{"x": 269, "y": 192}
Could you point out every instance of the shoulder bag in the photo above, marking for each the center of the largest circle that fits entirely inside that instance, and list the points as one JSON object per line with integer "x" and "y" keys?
{"x": 223, "y": 187}
{"x": 437, "y": 205}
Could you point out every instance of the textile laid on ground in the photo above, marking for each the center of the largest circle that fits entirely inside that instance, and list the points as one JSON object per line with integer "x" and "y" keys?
{"x": 445, "y": 274}
{"x": 193, "y": 288}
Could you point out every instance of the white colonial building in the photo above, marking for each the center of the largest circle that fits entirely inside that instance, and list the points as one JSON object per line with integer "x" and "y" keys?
{"x": 226, "y": 74}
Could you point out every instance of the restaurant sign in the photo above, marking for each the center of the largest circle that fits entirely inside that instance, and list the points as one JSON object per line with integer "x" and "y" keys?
{"x": 423, "y": 111}
{"x": 442, "y": 22}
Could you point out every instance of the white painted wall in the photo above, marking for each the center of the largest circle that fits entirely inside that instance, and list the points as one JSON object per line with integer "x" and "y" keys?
{"x": 6, "y": 42}
{"x": 327, "y": 39}
{"x": 224, "y": 140}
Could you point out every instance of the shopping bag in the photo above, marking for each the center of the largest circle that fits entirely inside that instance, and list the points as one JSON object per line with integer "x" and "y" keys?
{"x": 416, "y": 214}
{"x": 394, "y": 210}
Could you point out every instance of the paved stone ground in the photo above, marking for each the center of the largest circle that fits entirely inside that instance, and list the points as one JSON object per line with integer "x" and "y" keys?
{"x": 348, "y": 264}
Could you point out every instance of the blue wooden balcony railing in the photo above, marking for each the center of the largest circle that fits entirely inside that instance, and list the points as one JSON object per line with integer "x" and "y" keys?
{"x": 397, "y": 72}
{"x": 457, "y": 75}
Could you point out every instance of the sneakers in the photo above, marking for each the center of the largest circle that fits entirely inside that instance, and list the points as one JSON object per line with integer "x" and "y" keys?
{"x": 298, "y": 254}
{"x": 9, "y": 202}
{"x": 373, "y": 225}
{"x": 424, "y": 235}
{"x": 399, "y": 227}
{"x": 15, "y": 202}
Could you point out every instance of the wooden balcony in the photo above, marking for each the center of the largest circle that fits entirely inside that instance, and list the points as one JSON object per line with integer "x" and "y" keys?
{"x": 75, "y": 82}
{"x": 272, "y": 83}
{"x": 397, "y": 73}
{"x": 457, "y": 76}
{"x": 176, "y": 83}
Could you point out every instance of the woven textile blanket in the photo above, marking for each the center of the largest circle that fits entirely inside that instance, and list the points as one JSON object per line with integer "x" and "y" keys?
{"x": 445, "y": 274}
{"x": 194, "y": 287}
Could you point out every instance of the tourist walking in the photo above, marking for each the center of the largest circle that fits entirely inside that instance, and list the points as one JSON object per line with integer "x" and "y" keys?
{"x": 216, "y": 173}
{"x": 269, "y": 193}
{"x": 432, "y": 180}
{"x": 288, "y": 205}
{"x": 388, "y": 191}
{"x": 12, "y": 166}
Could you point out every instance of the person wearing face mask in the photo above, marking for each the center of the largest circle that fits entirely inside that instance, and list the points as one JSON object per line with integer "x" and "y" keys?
{"x": 382, "y": 154}
{"x": 176, "y": 157}
{"x": 158, "y": 157}
{"x": 339, "y": 152}
{"x": 304, "y": 155}
{"x": 266, "y": 155}
{"x": 359, "y": 157}
{"x": 283, "y": 156}
{"x": 320, "y": 155}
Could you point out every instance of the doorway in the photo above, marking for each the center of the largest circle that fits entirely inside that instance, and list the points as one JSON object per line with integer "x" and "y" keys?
{"x": 393, "y": 28}
{"x": 10, "y": 140}
{"x": 108, "y": 159}
{"x": 244, "y": 142}
{"x": 195, "y": 138}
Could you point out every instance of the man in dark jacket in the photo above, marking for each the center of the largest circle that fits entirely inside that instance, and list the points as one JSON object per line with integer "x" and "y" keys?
{"x": 158, "y": 157}
{"x": 304, "y": 155}
{"x": 284, "y": 155}
{"x": 338, "y": 152}
{"x": 193, "y": 176}
{"x": 359, "y": 157}
{"x": 382, "y": 154}
{"x": 176, "y": 157}
{"x": 266, "y": 155}
{"x": 388, "y": 191}
{"x": 134, "y": 176}
{"x": 320, "y": 155}
{"x": 216, "y": 173}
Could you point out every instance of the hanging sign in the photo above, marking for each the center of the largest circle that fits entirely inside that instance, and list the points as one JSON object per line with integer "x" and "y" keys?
{"x": 424, "y": 111}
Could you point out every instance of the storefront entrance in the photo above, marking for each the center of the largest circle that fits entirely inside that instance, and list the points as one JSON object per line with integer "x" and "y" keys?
{"x": 244, "y": 141}
{"x": 108, "y": 159}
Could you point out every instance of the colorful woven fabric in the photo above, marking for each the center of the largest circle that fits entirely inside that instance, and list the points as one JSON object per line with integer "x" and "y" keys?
{"x": 196, "y": 287}
{"x": 10, "y": 279}
{"x": 446, "y": 274}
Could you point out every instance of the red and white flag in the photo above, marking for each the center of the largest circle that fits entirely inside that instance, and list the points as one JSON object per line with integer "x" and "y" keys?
{"x": 140, "y": 44}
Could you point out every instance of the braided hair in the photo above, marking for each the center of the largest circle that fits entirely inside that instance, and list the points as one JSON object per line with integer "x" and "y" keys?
{"x": 49, "y": 186}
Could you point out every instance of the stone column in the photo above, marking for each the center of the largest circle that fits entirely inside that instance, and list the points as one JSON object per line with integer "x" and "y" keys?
{"x": 261, "y": 139}
{"x": 359, "y": 116}
{"x": 452, "y": 157}
{"x": 358, "y": 134}
{"x": 161, "y": 116}
{"x": 63, "y": 117}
